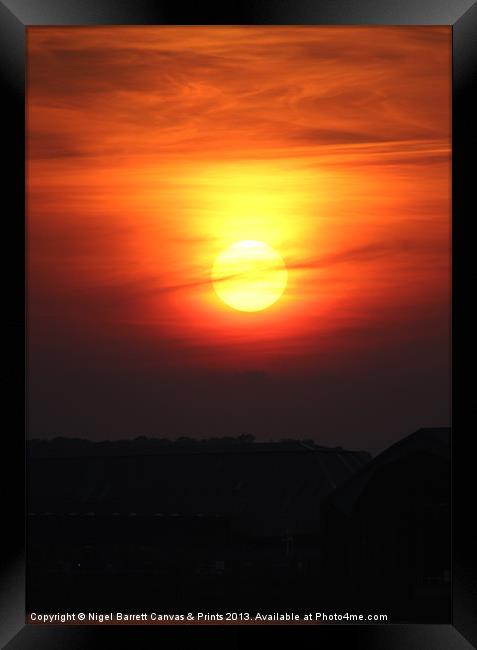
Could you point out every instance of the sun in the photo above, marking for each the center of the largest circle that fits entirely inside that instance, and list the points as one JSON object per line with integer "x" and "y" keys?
{"x": 249, "y": 275}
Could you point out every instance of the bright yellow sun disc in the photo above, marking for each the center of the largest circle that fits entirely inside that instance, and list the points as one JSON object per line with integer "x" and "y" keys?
{"x": 249, "y": 275}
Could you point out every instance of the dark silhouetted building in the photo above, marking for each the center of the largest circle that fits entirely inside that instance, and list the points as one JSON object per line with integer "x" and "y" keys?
{"x": 386, "y": 530}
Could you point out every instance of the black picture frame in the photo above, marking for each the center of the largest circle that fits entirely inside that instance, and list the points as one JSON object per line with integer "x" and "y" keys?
{"x": 15, "y": 17}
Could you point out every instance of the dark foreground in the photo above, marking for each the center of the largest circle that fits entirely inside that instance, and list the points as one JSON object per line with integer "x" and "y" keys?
{"x": 251, "y": 527}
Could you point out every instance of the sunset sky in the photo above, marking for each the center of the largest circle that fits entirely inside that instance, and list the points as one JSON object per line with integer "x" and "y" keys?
{"x": 152, "y": 149}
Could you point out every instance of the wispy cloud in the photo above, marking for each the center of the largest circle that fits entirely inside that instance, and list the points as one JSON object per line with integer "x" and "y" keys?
{"x": 173, "y": 88}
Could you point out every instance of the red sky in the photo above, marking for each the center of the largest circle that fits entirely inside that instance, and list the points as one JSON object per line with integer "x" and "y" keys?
{"x": 151, "y": 149}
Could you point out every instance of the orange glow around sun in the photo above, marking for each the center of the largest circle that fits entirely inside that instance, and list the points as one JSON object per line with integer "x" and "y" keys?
{"x": 237, "y": 193}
